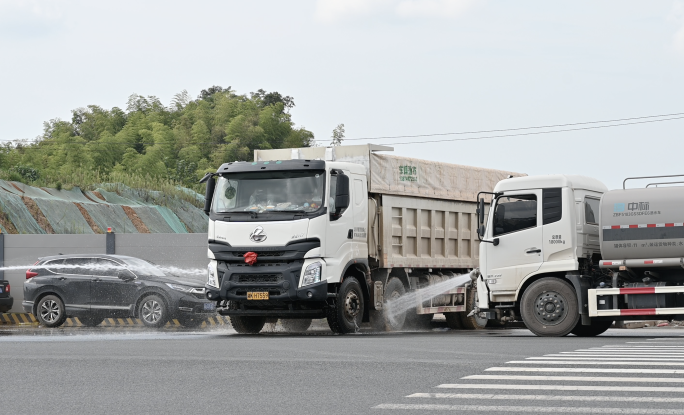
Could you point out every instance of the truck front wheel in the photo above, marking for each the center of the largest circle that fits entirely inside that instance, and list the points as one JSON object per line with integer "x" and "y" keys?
{"x": 347, "y": 314}
{"x": 549, "y": 307}
{"x": 247, "y": 324}
{"x": 596, "y": 328}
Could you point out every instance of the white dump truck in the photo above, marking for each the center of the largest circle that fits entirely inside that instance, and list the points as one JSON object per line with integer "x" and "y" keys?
{"x": 566, "y": 255}
{"x": 332, "y": 232}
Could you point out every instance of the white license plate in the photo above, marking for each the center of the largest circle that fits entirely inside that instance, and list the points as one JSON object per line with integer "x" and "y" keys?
{"x": 209, "y": 306}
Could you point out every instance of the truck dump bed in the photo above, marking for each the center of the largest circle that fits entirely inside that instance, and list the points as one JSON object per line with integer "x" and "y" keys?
{"x": 422, "y": 213}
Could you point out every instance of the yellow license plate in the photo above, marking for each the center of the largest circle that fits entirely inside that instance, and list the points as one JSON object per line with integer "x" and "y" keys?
{"x": 257, "y": 295}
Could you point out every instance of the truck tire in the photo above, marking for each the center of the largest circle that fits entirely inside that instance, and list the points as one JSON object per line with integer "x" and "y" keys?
{"x": 347, "y": 314}
{"x": 453, "y": 320}
{"x": 394, "y": 321}
{"x": 473, "y": 322}
{"x": 596, "y": 328}
{"x": 418, "y": 321}
{"x": 247, "y": 324}
{"x": 549, "y": 307}
{"x": 295, "y": 325}
{"x": 50, "y": 311}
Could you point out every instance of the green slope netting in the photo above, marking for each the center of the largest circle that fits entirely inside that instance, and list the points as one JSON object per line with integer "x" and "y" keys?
{"x": 18, "y": 213}
{"x": 159, "y": 212}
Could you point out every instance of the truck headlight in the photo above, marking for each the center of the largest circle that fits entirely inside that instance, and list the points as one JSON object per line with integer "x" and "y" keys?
{"x": 312, "y": 274}
{"x": 211, "y": 278}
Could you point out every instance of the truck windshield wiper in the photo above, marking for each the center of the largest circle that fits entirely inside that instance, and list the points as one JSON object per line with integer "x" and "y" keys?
{"x": 252, "y": 213}
{"x": 288, "y": 211}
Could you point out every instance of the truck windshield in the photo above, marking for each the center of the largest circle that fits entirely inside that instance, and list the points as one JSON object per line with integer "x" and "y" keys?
{"x": 278, "y": 191}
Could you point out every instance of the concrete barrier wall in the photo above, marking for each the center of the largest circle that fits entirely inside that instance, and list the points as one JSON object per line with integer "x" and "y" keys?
{"x": 186, "y": 251}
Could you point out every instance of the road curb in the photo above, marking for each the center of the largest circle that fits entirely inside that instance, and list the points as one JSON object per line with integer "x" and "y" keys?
{"x": 27, "y": 319}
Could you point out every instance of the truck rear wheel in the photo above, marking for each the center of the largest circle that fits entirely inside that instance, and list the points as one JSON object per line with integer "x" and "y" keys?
{"x": 473, "y": 322}
{"x": 549, "y": 307}
{"x": 347, "y": 314}
{"x": 394, "y": 319}
{"x": 247, "y": 324}
{"x": 453, "y": 320}
{"x": 596, "y": 328}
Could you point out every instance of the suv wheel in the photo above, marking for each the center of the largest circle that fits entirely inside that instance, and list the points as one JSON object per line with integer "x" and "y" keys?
{"x": 50, "y": 311}
{"x": 152, "y": 311}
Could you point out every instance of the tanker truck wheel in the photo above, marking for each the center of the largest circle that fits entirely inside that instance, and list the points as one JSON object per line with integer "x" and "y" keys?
{"x": 596, "y": 328}
{"x": 473, "y": 322}
{"x": 347, "y": 314}
{"x": 453, "y": 320}
{"x": 549, "y": 307}
{"x": 247, "y": 324}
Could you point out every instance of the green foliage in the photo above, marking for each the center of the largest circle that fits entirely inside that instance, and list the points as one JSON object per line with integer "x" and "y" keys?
{"x": 153, "y": 144}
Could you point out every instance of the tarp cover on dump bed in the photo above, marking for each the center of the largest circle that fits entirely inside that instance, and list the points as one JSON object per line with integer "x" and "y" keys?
{"x": 403, "y": 176}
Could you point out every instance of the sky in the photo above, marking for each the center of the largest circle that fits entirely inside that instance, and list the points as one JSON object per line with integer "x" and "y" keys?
{"x": 381, "y": 67}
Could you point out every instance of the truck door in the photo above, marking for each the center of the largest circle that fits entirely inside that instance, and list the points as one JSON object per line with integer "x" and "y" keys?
{"x": 360, "y": 206}
{"x": 339, "y": 234}
{"x": 516, "y": 223}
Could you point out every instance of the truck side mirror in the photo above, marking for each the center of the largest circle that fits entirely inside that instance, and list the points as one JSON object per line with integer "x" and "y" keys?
{"x": 342, "y": 193}
{"x": 480, "y": 211}
{"x": 209, "y": 194}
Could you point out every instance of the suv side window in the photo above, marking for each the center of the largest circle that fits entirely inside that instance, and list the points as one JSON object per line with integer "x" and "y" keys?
{"x": 515, "y": 213}
{"x": 105, "y": 268}
{"x": 591, "y": 210}
{"x": 55, "y": 266}
{"x": 77, "y": 266}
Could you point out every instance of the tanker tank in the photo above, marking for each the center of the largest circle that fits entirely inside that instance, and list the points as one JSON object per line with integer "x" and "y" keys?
{"x": 645, "y": 223}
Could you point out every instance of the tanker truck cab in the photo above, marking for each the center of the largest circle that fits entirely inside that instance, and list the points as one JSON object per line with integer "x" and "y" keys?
{"x": 283, "y": 238}
{"x": 540, "y": 230}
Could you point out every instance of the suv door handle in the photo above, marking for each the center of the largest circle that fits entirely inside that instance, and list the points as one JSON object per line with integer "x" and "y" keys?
{"x": 61, "y": 278}
{"x": 533, "y": 251}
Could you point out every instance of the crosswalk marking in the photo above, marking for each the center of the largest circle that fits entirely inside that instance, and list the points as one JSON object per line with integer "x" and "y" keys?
{"x": 580, "y": 370}
{"x": 529, "y": 409}
{"x": 593, "y": 362}
{"x": 584, "y": 357}
{"x": 555, "y": 373}
{"x": 576, "y": 378}
{"x": 497, "y": 386}
{"x": 600, "y": 398}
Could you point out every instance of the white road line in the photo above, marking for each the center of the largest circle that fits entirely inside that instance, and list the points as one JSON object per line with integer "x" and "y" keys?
{"x": 636, "y": 352}
{"x": 572, "y": 398}
{"x": 665, "y": 342}
{"x": 593, "y": 362}
{"x": 601, "y": 388}
{"x": 581, "y": 370}
{"x": 528, "y": 409}
{"x": 650, "y": 346}
{"x": 612, "y": 357}
{"x": 575, "y": 378}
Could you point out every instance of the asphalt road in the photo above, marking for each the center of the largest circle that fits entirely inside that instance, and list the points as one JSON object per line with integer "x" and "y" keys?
{"x": 117, "y": 370}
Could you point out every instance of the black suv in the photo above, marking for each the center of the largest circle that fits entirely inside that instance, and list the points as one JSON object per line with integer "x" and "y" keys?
{"x": 95, "y": 287}
{"x": 6, "y": 300}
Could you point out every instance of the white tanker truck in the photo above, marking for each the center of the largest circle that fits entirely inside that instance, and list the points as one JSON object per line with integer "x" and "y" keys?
{"x": 566, "y": 255}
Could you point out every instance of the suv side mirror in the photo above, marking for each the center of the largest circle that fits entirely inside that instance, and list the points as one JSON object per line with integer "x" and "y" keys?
{"x": 342, "y": 193}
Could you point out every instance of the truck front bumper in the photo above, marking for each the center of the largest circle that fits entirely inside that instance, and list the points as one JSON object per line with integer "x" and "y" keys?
{"x": 280, "y": 291}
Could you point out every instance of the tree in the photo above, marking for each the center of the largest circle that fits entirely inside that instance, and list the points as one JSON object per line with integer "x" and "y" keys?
{"x": 337, "y": 135}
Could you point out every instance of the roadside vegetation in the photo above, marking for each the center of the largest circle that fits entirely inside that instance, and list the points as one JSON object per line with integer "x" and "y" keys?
{"x": 152, "y": 146}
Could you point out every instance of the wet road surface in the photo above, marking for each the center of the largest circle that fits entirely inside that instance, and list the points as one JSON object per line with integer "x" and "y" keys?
{"x": 134, "y": 370}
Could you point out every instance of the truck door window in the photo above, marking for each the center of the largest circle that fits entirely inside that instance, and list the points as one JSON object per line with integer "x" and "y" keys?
{"x": 591, "y": 210}
{"x": 331, "y": 197}
{"x": 515, "y": 213}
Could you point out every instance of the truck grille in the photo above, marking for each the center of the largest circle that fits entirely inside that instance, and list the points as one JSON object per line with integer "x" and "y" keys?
{"x": 262, "y": 254}
{"x": 259, "y": 278}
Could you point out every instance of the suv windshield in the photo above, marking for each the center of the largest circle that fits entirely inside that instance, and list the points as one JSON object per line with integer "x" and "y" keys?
{"x": 278, "y": 191}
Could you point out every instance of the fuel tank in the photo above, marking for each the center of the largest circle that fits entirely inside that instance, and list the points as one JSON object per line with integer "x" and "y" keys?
{"x": 642, "y": 223}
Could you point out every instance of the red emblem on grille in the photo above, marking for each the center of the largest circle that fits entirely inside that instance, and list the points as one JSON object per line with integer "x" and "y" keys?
{"x": 250, "y": 258}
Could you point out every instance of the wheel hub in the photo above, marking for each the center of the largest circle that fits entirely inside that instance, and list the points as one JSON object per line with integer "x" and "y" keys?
{"x": 550, "y": 308}
{"x": 49, "y": 311}
{"x": 151, "y": 311}
{"x": 351, "y": 305}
